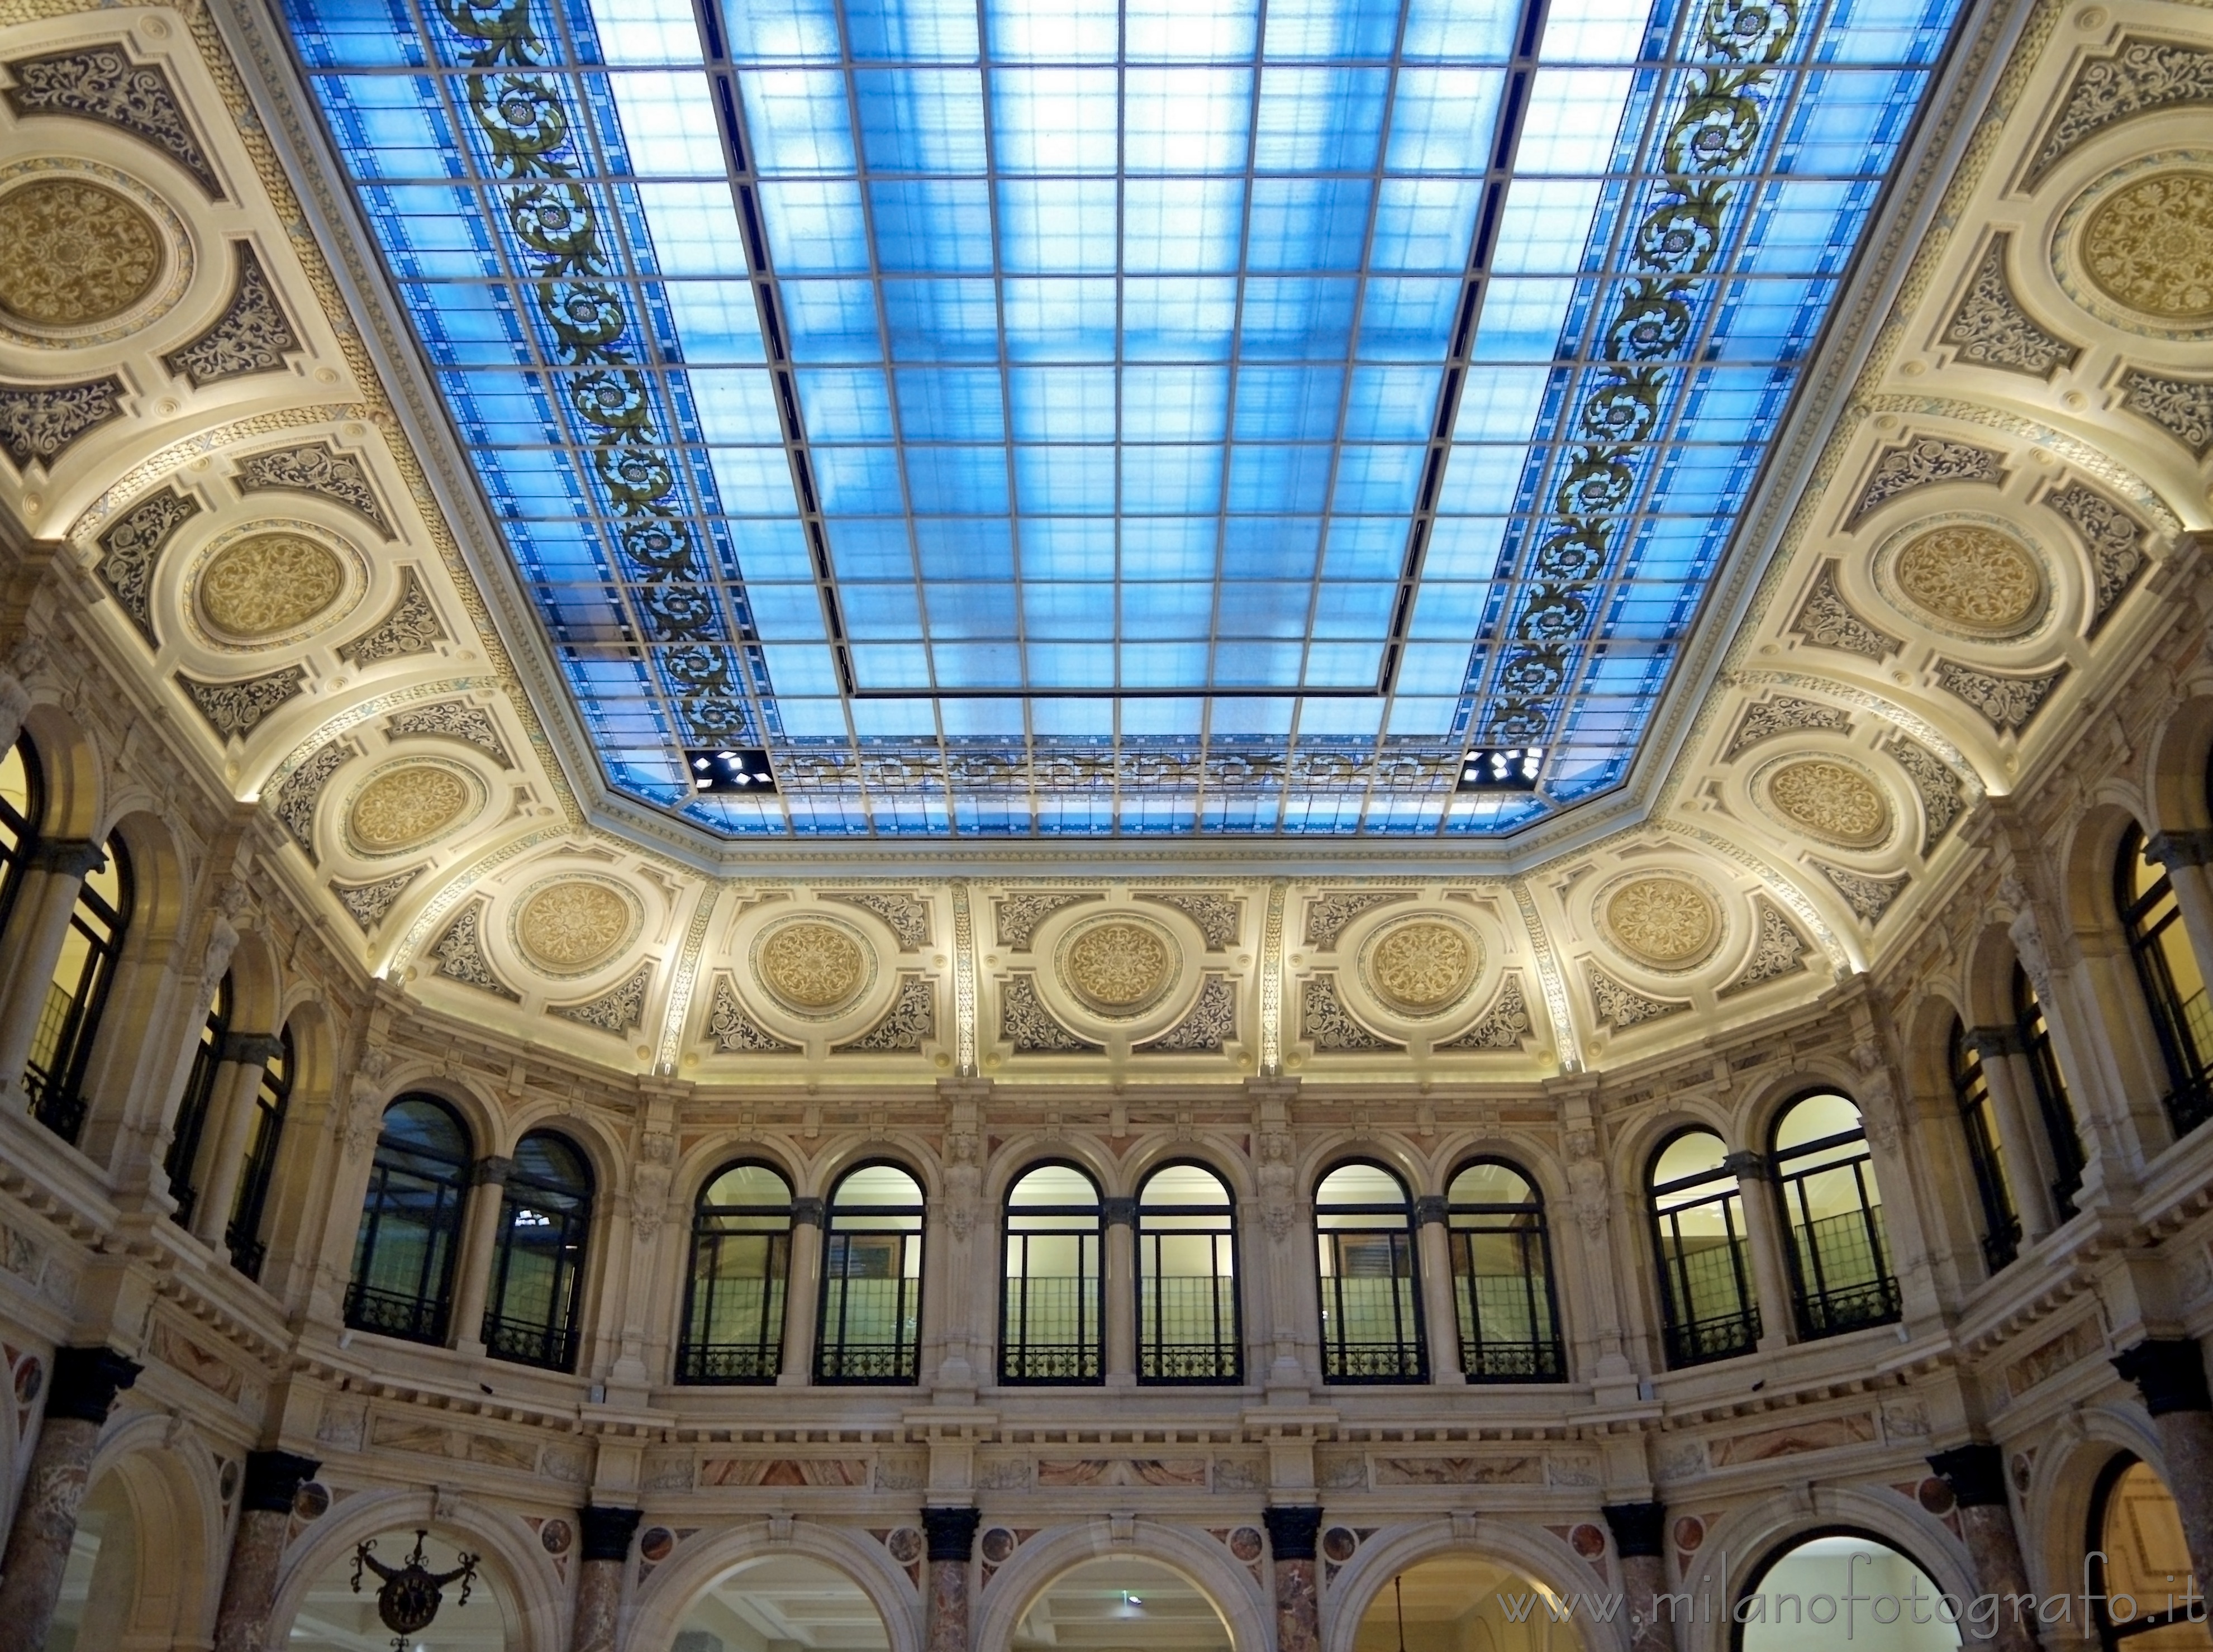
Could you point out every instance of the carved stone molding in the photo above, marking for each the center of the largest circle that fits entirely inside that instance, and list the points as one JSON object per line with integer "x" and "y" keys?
{"x": 409, "y": 626}
{"x": 1868, "y": 896}
{"x": 2114, "y": 538}
{"x": 1621, "y": 1007}
{"x": 1784, "y": 713}
{"x": 1328, "y": 914}
{"x": 1826, "y": 620}
{"x": 2008, "y": 702}
{"x": 2182, "y": 407}
{"x": 734, "y": 1032}
{"x": 1206, "y": 1026}
{"x": 2139, "y": 78}
{"x": 1778, "y": 949}
{"x": 1990, "y": 328}
{"x": 314, "y": 467}
{"x": 906, "y": 916}
{"x": 296, "y": 800}
{"x": 1325, "y": 1023}
{"x": 620, "y": 1011}
{"x": 1937, "y": 787}
{"x": 131, "y": 550}
{"x": 368, "y": 903}
{"x": 451, "y": 720}
{"x": 1923, "y": 462}
{"x": 235, "y": 710}
{"x": 461, "y": 955}
{"x": 1014, "y": 917}
{"x": 1027, "y": 1024}
{"x": 101, "y": 84}
{"x": 910, "y": 1022}
{"x": 252, "y": 335}
{"x": 1504, "y": 1026}
{"x": 38, "y": 422}
{"x": 1220, "y": 919}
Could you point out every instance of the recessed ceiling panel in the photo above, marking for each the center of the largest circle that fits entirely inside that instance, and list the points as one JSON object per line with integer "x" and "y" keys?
{"x": 1069, "y": 418}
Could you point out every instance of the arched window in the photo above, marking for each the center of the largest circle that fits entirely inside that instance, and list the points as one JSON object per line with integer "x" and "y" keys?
{"x": 2137, "y": 1563}
{"x": 2173, "y": 987}
{"x": 538, "y": 1259}
{"x": 62, "y": 1044}
{"x": 411, "y": 1223}
{"x": 1698, "y": 1236}
{"x": 871, "y": 1278}
{"x": 741, "y": 1271}
{"x": 1371, "y": 1308}
{"x": 1188, "y": 1329}
{"x": 22, "y": 805}
{"x": 270, "y": 1097}
{"x": 1840, "y": 1258}
{"x": 2052, "y": 1102}
{"x": 193, "y": 1111}
{"x": 1510, "y": 1325}
{"x": 1971, "y": 1093}
{"x": 1049, "y": 1303}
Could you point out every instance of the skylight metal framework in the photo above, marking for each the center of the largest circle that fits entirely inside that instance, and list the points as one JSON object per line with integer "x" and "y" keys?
{"x": 1072, "y": 417}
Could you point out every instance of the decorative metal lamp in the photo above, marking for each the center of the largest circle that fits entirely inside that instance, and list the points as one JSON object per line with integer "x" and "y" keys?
{"x": 411, "y": 1593}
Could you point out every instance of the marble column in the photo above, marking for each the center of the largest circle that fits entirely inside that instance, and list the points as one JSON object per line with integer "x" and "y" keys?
{"x": 1976, "y": 1473}
{"x": 1291, "y": 1532}
{"x": 1440, "y": 1312}
{"x": 1118, "y": 1298}
{"x": 2027, "y": 1167}
{"x": 81, "y": 1390}
{"x": 604, "y": 1537}
{"x": 1766, "y": 1234}
{"x": 472, "y": 1268}
{"x": 1640, "y": 1531}
{"x": 951, "y": 1533}
{"x": 802, "y": 1295}
{"x": 54, "y": 875}
{"x": 2170, "y": 1373}
{"x": 249, "y": 1585}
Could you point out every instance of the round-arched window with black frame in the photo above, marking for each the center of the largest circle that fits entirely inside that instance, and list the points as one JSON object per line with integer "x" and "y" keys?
{"x": 249, "y": 1207}
{"x": 734, "y": 1296}
{"x": 1840, "y": 1271}
{"x": 2143, "y": 1593}
{"x": 76, "y": 995}
{"x": 2173, "y": 984}
{"x": 1050, "y": 1290}
{"x": 1188, "y": 1328}
{"x": 1978, "y": 1123}
{"x": 1371, "y": 1299}
{"x": 531, "y": 1311}
{"x": 870, "y": 1327}
{"x": 181, "y": 1163}
{"x": 410, "y": 1223}
{"x": 1839, "y": 1588}
{"x": 1698, "y": 1240}
{"x": 1510, "y": 1321}
{"x": 22, "y": 806}
{"x": 2053, "y": 1105}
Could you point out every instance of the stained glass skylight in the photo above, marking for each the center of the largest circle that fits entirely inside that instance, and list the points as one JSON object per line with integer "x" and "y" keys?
{"x": 1077, "y": 418}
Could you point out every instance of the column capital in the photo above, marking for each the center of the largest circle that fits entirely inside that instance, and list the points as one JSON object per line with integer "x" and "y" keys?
{"x": 273, "y": 1478}
{"x": 1118, "y": 1212}
{"x": 1989, "y": 1042}
{"x": 85, "y": 1382}
{"x": 1430, "y": 1207}
{"x": 808, "y": 1213}
{"x": 1291, "y": 1530}
{"x": 491, "y": 1171}
{"x": 604, "y": 1533}
{"x": 2190, "y": 847}
{"x": 69, "y": 857}
{"x": 2169, "y": 1372}
{"x": 1746, "y": 1165}
{"x": 250, "y": 1049}
{"x": 1975, "y": 1471}
{"x": 951, "y": 1531}
{"x": 1638, "y": 1528}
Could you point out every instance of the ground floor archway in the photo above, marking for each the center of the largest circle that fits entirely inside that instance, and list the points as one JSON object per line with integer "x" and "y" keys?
{"x": 336, "y": 1617}
{"x": 1121, "y": 1603}
{"x": 1845, "y": 1592}
{"x": 783, "y": 1603}
{"x": 1468, "y": 1603}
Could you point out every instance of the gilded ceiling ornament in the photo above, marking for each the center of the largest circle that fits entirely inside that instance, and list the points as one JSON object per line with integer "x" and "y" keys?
{"x": 570, "y": 926}
{"x": 910, "y": 1022}
{"x": 1029, "y": 1027}
{"x": 2182, "y": 407}
{"x": 250, "y": 336}
{"x": 1206, "y": 1026}
{"x": 473, "y": 725}
{"x": 1220, "y": 917}
{"x": 410, "y": 627}
{"x": 1784, "y": 713}
{"x": 131, "y": 549}
{"x": 1503, "y": 1026}
{"x": 2008, "y": 702}
{"x": 268, "y": 583}
{"x": 1990, "y": 328}
{"x": 314, "y": 467}
{"x": 1777, "y": 950}
{"x": 906, "y": 916}
{"x": 1826, "y": 620}
{"x": 2115, "y": 540}
{"x": 100, "y": 82}
{"x": 1869, "y": 897}
{"x": 408, "y": 805}
{"x": 1118, "y": 967}
{"x": 38, "y": 422}
{"x": 74, "y": 253}
{"x": 2149, "y": 246}
{"x": 461, "y": 955}
{"x": 1974, "y": 577}
{"x": 1325, "y": 1023}
{"x": 1938, "y": 787}
{"x": 1420, "y": 967}
{"x": 295, "y": 799}
{"x": 813, "y": 967}
{"x": 620, "y": 1009}
{"x": 1831, "y": 800}
{"x": 1016, "y": 917}
{"x": 1621, "y": 1007}
{"x": 235, "y": 710}
{"x": 1663, "y": 920}
{"x": 2139, "y": 78}
{"x": 1328, "y": 914}
{"x": 1923, "y": 462}
{"x": 734, "y": 1031}
{"x": 366, "y": 904}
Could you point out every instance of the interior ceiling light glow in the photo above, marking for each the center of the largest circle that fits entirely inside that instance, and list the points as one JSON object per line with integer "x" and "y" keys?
{"x": 1161, "y": 418}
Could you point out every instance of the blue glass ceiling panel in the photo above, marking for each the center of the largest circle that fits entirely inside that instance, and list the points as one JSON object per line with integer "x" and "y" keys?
{"x": 1069, "y": 418}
